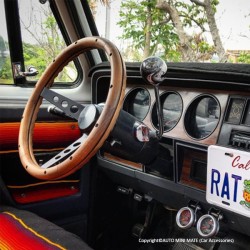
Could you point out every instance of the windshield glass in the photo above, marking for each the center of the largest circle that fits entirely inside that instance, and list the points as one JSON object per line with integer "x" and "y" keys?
{"x": 177, "y": 31}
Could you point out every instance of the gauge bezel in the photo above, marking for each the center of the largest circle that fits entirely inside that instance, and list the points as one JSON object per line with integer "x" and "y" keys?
{"x": 131, "y": 95}
{"x": 163, "y": 98}
{"x": 192, "y": 219}
{"x": 215, "y": 229}
{"x": 190, "y": 116}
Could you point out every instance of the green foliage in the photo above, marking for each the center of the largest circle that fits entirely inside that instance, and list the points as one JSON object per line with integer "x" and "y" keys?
{"x": 2, "y": 44}
{"x": 244, "y": 57}
{"x": 133, "y": 18}
{"x": 164, "y": 39}
{"x": 173, "y": 56}
{"x": 5, "y": 68}
{"x": 214, "y": 4}
{"x": 6, "y": 71}
{"x": 191, "y": 14}
{"x": 35, "y": 55}
{"x": 50, "y": 44}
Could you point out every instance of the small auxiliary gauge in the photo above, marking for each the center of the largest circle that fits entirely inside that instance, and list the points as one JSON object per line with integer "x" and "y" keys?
{"x": 185, "y": 217}
{"x": 208, "y": 226}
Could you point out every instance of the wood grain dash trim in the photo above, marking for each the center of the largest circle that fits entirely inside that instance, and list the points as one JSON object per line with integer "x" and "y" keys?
{"x": 137, "y": 166}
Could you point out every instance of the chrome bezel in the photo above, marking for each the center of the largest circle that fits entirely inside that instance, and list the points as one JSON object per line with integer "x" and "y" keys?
{"x": 163, "y": 98}
{"x": 129, "y": 98}
{"x": 215, "y": 228}
{"x": 192, "y": 219}
{"x": 190, "y": 115}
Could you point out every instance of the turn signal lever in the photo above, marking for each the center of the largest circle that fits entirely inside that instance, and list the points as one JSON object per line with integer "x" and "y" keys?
{"x": 152, "y": 71}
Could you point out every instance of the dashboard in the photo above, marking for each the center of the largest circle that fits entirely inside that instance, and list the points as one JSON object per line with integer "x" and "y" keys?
{"x": 196, "y": 115}
{"x": 193, "y": 115}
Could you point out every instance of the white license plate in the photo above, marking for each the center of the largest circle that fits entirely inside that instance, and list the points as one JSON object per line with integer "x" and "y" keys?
{"x": 228, "y": 179}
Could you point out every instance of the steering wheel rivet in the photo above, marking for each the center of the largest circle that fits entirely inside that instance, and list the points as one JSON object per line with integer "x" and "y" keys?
{"x": 56, "y": 99}
{"x": 64, "y": 104}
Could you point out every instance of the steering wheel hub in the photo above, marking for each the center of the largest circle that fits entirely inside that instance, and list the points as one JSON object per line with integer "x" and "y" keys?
{"x": 88, "y": 117}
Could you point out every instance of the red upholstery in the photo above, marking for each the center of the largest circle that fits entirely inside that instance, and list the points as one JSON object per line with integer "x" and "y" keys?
{"x": 22, "y": 230}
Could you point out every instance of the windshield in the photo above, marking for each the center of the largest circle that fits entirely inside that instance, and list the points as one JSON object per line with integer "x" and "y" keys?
{"x": 177, "y": 31}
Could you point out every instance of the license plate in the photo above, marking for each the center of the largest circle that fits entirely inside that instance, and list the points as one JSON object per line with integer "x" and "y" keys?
{"x": 228, "y": 179}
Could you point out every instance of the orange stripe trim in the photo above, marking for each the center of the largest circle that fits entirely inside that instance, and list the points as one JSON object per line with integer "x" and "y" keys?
{"x": 3, "y": 246}
{"x": 46, "y": 134}
{"x": 35, "y": 150}
{"x": 34, "y": 232}
{"x": 44, "y": 183}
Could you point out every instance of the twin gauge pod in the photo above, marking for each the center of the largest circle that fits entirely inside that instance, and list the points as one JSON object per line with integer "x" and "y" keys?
{"x": 207, "y": 225}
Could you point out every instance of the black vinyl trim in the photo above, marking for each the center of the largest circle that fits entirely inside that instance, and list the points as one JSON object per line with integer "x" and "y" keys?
{"x": 68, "y": 42}
{"x": 218, "y": 75}
{"x": 80, "y": 33}
{"x": 92, "y": 26}
{"x": 59, "y": 21}
{"x": 14, "y": 35}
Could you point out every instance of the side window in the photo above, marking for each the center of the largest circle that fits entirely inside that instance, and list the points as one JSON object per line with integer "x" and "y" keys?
{"x": 5, "y": 65}
{"x": 42, "y": 39}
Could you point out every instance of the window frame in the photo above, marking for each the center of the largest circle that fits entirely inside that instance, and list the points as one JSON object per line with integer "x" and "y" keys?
{"x": 16, "y": 45}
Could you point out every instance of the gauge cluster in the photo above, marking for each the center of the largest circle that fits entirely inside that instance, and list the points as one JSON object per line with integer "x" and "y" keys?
{"x": 207, "y": 225}
{"x": 190, "y": 116}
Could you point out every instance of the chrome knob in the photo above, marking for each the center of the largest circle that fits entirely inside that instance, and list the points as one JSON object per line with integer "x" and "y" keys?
{"x": 152, "y": 70}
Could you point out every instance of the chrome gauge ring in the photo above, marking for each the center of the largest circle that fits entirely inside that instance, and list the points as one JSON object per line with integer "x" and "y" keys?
{"x": 185, "y": 217}
{"x": 207, "y": 226}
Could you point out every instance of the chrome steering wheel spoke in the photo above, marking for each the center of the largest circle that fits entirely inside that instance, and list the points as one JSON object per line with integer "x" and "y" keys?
{"x": 65, "y": 153}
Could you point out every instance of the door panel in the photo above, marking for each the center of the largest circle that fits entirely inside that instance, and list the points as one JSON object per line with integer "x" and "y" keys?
{"x": 63, "y": 201}
{"x": 47, "y": 135}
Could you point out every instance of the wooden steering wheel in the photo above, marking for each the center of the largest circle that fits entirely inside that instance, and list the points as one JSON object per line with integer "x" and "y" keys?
{"x": 98, "y": 127}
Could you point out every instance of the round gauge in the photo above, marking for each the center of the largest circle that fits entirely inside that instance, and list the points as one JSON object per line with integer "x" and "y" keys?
{"x": 202, "y": 117}
{"x": 171, "y": 104}
{"x": 207, "y": 226}
{"x": 185, "y": 217}
{"x": 137, "y": 103}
